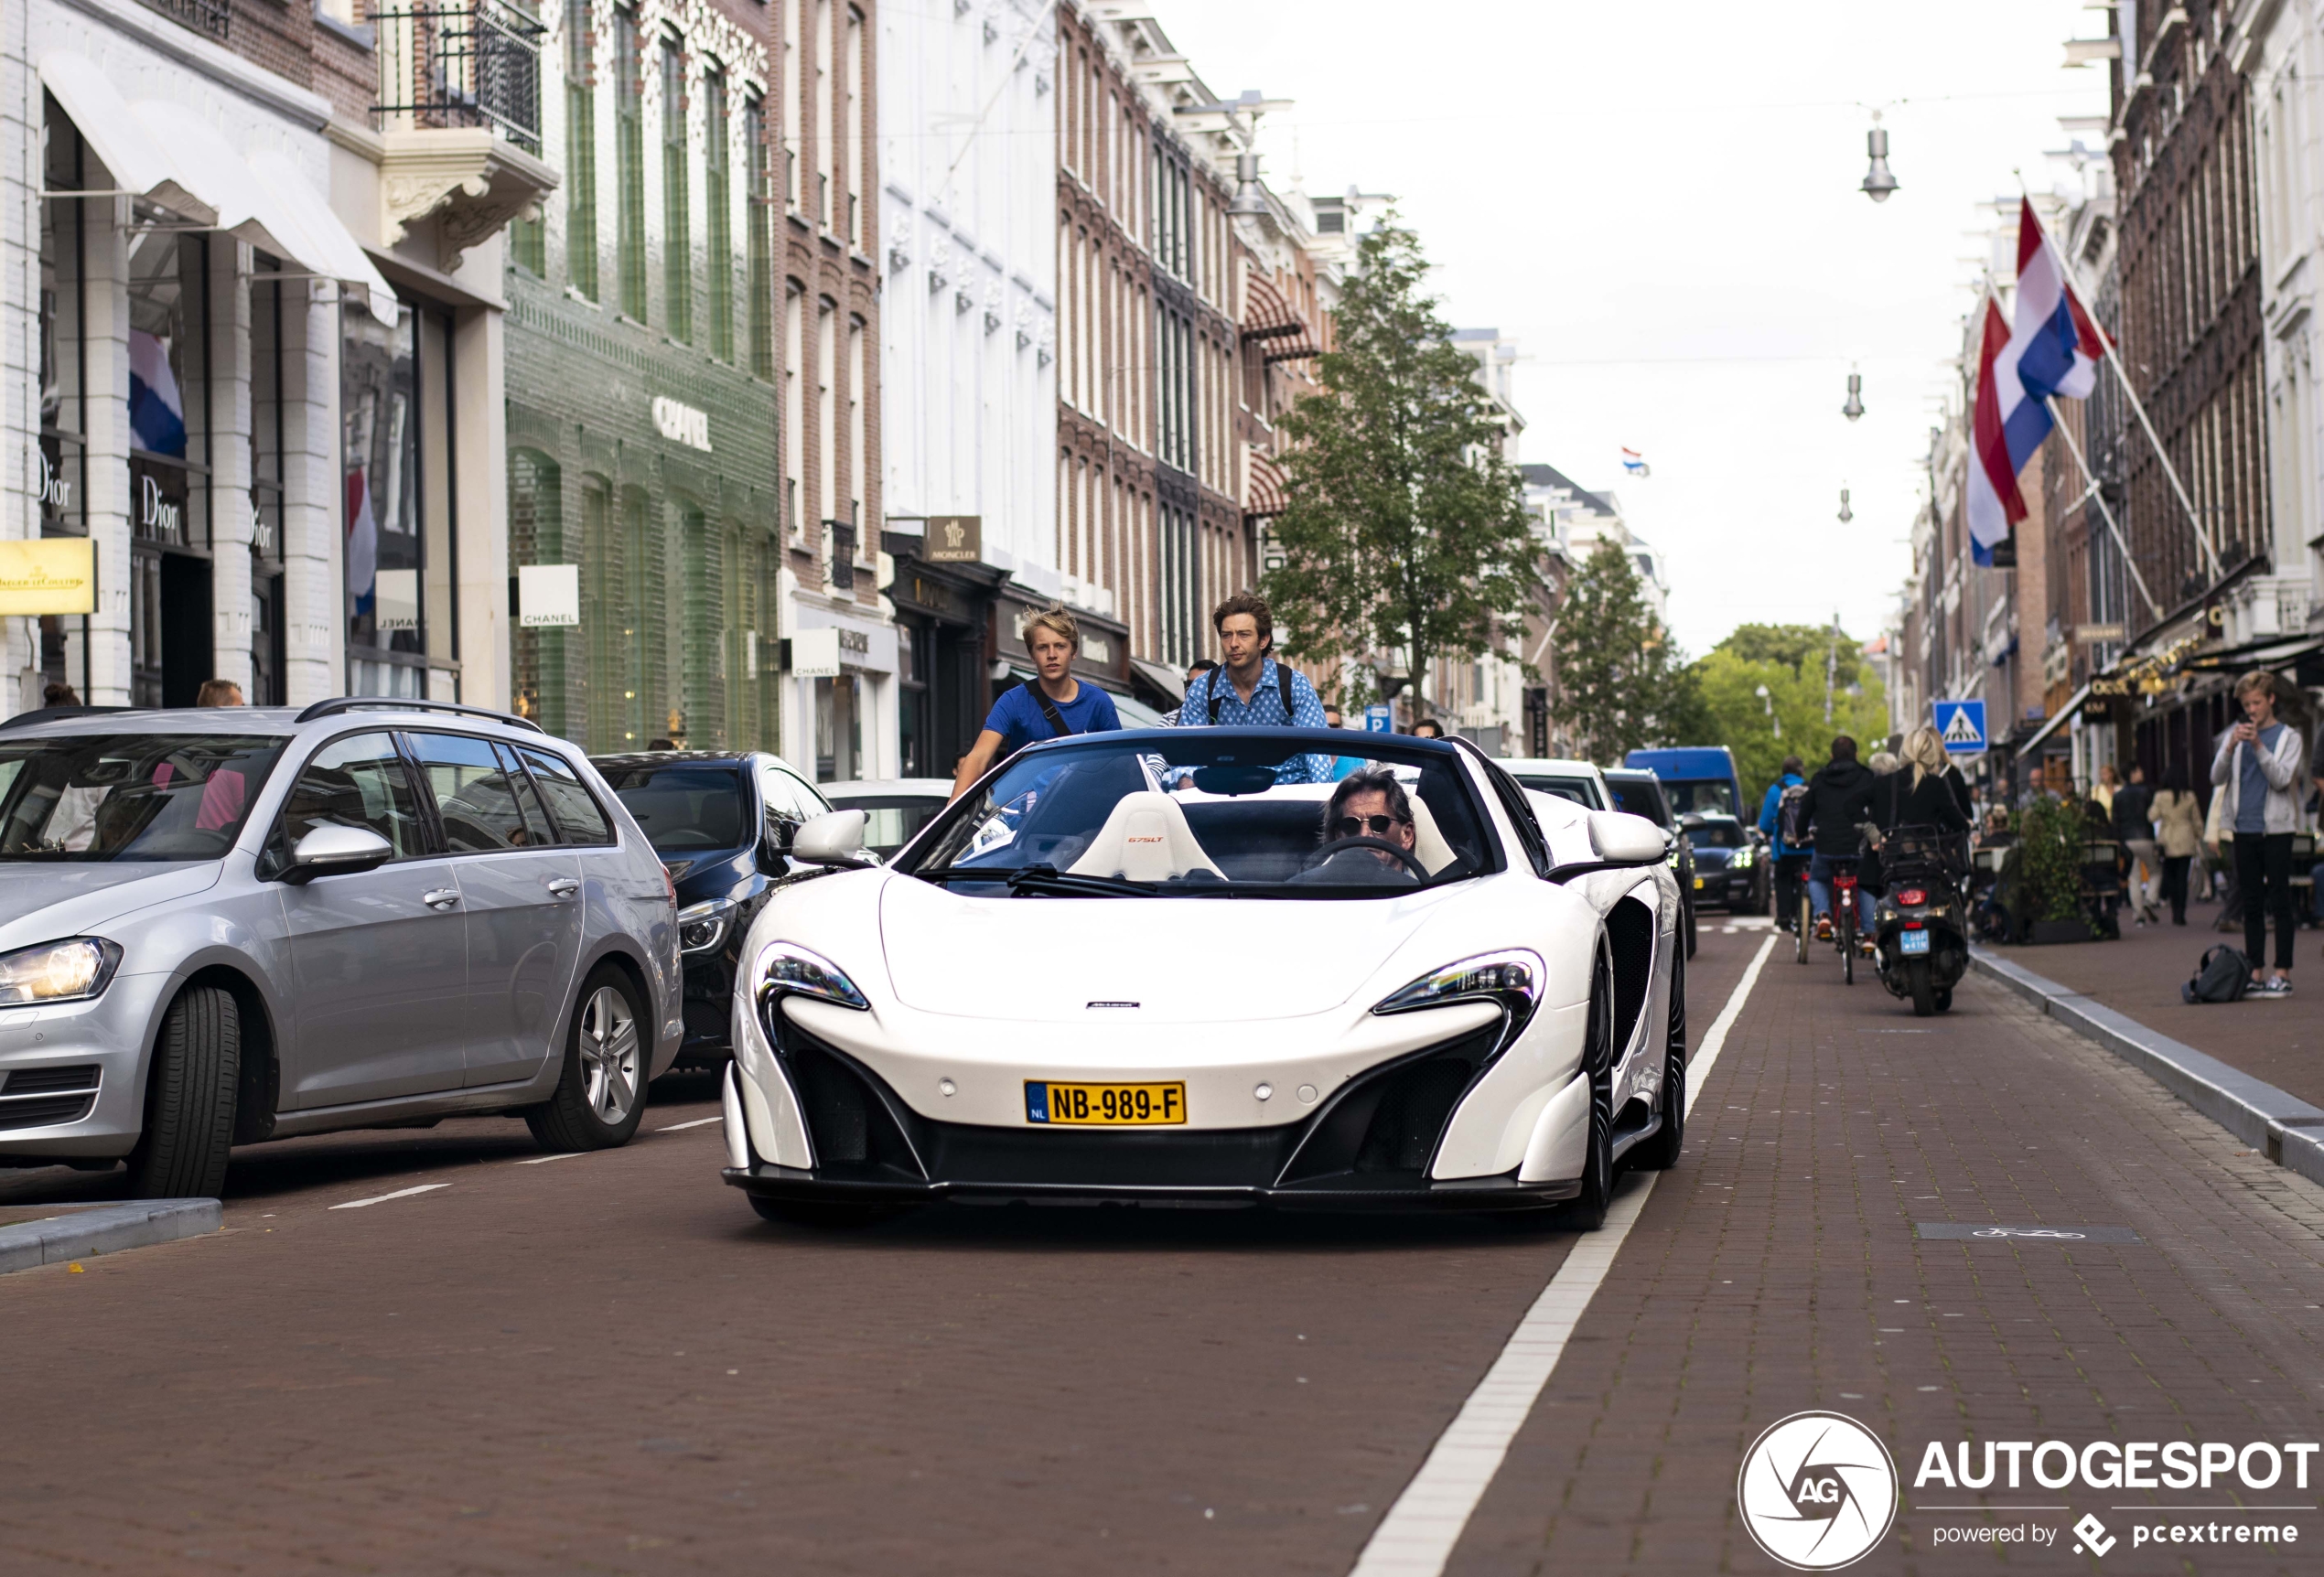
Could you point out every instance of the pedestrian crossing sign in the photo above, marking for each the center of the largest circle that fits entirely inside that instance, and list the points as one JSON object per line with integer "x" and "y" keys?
{"x": 1961, "y": 724}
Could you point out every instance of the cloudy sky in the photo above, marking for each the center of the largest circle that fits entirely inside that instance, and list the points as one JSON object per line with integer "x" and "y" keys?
{"x": 1659, "y": 201}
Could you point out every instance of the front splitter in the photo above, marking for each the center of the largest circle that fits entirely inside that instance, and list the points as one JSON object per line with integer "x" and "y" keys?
{"x": 767, "y": 1181}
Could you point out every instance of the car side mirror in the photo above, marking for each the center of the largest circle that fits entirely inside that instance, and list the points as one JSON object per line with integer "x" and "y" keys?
{"x": 1622, "y": 841}
{"x": 332, "y": 849}
{"x": 833, "y": 838}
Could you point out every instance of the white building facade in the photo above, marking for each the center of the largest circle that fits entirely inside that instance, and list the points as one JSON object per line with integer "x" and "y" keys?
{"x": 2283, "y": 47}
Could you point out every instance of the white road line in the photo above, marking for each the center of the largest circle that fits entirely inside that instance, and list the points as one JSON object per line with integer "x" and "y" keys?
{"x": 560, "y": 1155}
{"x": 383, "y": 1199}
{"x": 698, "y": 1123}
{"x": 1417, "y": 1535}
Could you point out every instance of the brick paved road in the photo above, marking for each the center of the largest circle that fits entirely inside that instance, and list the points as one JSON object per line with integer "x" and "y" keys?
{"x": 605, "y": 1363}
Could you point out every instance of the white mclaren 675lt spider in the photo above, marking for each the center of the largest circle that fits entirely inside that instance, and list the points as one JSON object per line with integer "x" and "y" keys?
{"x": 1257, "y": 966}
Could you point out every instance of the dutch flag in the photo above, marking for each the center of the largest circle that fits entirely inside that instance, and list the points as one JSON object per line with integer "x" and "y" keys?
{"x": 2053, "y": 350}
{"x": 1635, "y": 464}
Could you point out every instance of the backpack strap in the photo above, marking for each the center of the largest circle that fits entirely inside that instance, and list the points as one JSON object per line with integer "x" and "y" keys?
{"x": 1049, "y": 708}
{"x": 1217, "y": 701}
{"x": 1283, "y": 687}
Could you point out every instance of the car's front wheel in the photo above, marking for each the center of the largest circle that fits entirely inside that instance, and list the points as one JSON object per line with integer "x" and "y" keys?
{"x": 1586, "y": 1211}
{"x": 190, "y": 1099}
{"x": 1660, "y": 1154}
{"x": 601, "y": 1094}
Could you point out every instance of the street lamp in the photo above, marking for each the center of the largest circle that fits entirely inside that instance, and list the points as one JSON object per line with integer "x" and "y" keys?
{"x": 1768, "y": 702}
{"x": 1878, "y": 182}
{"x": 1854, "y": 407}
{"x": 1846, "y": 514}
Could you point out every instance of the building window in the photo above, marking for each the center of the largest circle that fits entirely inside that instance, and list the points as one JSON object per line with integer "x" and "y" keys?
{"x": 718, "y": 255}
{"x": 824, "y": 108}
{"x": 381, "y": 406}
{"x": 794, "y": 408}
{"x": 793, "y": 110}
{"x": 852, "y": 129}
{"x": 629, "y": 160}
{"x": 758, "y": 213}
{"x": 580, "y": 150}
{"x": 858, "y": 394}
{"x": 540, "y": 659}
{"x": 826, "y": 414}
{"x": 677, "y": 218}
{"x": 701, "y": 722}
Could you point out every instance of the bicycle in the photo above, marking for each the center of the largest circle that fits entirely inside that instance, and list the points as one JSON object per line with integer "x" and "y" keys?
{"x": 1843, "y": 916}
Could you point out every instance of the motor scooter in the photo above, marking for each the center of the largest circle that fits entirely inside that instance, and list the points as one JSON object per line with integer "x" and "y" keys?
{"x": 1921, "y": 940}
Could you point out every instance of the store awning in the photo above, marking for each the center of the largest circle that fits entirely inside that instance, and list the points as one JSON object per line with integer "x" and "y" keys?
{"x": 2058, "y": 720}
{"x": 139, "y": 164}
{"x": 2257, "y": 654}
{"x": 1169, "y": 681}
{"x": 167, "y": 153}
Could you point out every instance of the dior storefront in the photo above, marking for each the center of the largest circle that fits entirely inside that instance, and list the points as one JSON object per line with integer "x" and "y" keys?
{"x": 190, "y": 277}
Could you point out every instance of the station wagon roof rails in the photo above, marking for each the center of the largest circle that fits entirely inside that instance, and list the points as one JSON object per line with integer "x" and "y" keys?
{"x": 50, "y": 713}
{"x": 338, "y": 704}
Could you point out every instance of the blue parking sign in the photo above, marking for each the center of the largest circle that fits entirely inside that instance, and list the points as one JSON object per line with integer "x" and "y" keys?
{"x": 1961, "y": 724}
{"x": 1378, "y": 719}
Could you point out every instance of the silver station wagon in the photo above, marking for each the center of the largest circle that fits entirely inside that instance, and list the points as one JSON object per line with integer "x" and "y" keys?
{"x": 224, "y": 926}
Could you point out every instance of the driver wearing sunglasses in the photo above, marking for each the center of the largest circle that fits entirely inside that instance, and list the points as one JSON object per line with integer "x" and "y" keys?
{"x": 1371, "y": 805}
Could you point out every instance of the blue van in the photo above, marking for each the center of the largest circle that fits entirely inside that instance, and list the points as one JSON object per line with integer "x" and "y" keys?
{"x": 1700, "y": 778}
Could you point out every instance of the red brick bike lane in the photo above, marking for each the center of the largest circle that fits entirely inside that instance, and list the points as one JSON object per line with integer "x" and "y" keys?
{"x": 1777, "y": 1269}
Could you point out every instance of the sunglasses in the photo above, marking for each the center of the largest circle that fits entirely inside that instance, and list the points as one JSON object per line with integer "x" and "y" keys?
{"x": 1356, "y": 826}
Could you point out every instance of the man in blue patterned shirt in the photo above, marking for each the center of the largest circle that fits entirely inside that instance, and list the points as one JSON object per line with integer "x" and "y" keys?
{"x": 1253, "y": 688}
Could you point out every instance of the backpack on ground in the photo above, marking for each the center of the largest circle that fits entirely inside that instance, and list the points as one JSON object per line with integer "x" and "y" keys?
{"x": 1793, "y": 818}
{"x": 2224, "y": 975}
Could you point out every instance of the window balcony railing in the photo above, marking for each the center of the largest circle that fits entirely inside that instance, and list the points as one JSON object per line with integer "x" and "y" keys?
{"x": 207, "y": 17}
{"x": 842, "y": 556}
{"x": 461, "y": 65}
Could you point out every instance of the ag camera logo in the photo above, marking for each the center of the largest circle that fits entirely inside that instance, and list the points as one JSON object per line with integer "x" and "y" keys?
{"x": 1818, "y": 1491}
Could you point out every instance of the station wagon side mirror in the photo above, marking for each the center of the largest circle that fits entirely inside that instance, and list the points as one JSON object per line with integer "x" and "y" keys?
{"x": 332, "y": 849}
{"x": 833, "y": 838}
{"x": 1622, "y": 841}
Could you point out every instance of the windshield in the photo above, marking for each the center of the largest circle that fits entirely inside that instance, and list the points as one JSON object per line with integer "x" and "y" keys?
{"x": 1708, "y": 797}
{"x": 890, "y": 820}
{"x": 131, "y": 796}
{"x": 1717, "y": 834}
{"x": 1580, "y": 790}
{"x": 684, "y": 804}
{"x": 1205, "y": 814}
{"x": 1639, "y": 797}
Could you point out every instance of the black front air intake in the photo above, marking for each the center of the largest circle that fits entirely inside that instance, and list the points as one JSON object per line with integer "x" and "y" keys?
{"x": 1390, "y": 1120}
{"x": 856, "y": 1126}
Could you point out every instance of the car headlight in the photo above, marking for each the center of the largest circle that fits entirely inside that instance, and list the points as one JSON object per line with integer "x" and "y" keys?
{"x": 701, "y": 926}
{"x": 785, "y": 969}
{"x": 1743, "y": 860}
{"x": 57, "y": 972}
{"x": 1513, "y": 978}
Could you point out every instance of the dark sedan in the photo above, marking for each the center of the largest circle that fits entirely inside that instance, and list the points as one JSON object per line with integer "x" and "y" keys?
{"x": 722, "y": 822}
{"x": 1730, "y": 866}
{"x": 1638, "y": 792}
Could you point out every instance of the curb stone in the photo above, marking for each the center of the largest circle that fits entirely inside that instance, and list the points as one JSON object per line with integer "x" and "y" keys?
{"x": 2288, "y": 1130}
{"x": 104, "y": 1229}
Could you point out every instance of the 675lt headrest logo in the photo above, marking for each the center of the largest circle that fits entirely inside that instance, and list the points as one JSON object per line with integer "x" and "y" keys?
{"x": 1817, "y": 1491}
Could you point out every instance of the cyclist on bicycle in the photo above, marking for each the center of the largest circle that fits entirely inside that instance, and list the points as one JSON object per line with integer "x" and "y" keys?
{"x": 1791, "y": 863}
{"x": 1840, "y": 796}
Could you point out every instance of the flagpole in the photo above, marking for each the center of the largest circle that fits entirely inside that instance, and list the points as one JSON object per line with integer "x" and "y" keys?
{"x": 2106, "y": 350}
{"x": 2098, "y": 496}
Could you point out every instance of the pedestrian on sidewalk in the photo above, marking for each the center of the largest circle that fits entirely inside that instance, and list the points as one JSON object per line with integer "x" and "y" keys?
{"x": 2257, "y": 770}
{"x": 2134, "y": 827}
{"x": 2178, "y": 833}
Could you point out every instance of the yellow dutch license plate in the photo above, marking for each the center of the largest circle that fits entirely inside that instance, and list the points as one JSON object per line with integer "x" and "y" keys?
{"x": 1698, "y": 884}
{"x": 1104, "y": 1105}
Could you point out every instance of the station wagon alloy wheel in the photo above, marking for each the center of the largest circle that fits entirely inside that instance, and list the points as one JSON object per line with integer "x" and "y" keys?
{"x": 610, "y": 1054}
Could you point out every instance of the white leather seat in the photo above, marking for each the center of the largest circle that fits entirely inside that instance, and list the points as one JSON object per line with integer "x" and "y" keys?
{"x": 1428, "y": 845}
{"x": 1145, "y": 840}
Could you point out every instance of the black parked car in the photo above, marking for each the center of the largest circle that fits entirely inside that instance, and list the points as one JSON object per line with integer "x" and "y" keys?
{"x": 1639, "y": 792}
{"x": 722, "y": 822}
{"x": 1730, "y": 863}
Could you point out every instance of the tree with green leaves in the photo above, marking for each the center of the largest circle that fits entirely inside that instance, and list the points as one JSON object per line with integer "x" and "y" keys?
{"x": 1623, "y": 683}
{"x": 1404, "y": 531}
{"x": 1788, "y": 661}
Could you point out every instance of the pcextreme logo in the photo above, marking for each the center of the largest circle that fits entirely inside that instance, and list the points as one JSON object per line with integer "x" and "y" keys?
{"x": 1817, "y": 1491}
